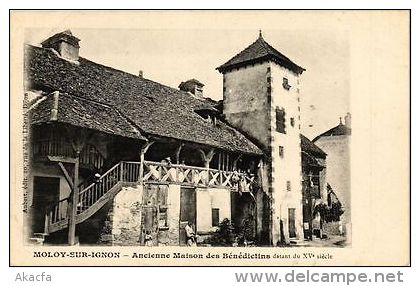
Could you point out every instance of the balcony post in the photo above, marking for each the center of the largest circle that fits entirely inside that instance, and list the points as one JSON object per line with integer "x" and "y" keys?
{"x": 206, "y": 157}
{"x": 178, "y": 152}
{"x": 73, "y": 202}
{"x": 143, "y": 151}
{"x": 47, "y": 220}
{"x": 121, "y": 171}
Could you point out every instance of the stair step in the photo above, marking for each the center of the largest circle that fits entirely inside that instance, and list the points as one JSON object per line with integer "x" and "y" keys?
{"x": 36, "y": 240}
{"x": 40, "y": 235}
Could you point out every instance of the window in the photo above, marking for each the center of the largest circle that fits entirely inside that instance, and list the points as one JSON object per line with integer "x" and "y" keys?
{"x": 288, "y": 186}
{"x": 286, "y": 83}
{"x": 280, "y": 120}
{"x": 281, "y": 151}
{"x": 214, "y": 217}
{"x": 292, "y": 122}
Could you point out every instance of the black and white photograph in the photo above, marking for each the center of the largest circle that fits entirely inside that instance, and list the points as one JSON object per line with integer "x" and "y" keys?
{"x": 190, "y": 137}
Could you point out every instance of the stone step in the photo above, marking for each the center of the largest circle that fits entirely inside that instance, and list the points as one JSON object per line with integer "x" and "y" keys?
{"x": 36, "y": 241}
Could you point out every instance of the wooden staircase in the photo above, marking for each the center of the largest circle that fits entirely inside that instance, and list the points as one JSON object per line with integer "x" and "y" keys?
{"x": 96, "y": 195}
{"x": 93, "y": 197}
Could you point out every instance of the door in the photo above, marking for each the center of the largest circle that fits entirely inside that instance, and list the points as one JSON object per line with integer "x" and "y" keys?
{"x": 46, "y": 192}
{"x": 188, "y": 212}
{"x": 149, "y": 215}
{"x": 292, "y": 225}
{"x": 149, "y": 226}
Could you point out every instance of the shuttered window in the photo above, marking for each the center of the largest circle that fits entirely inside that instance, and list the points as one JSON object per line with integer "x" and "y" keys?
{"x": 280, "y": 120}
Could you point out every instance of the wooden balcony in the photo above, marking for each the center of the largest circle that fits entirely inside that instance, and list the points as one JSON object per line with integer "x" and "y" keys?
{"x": 195, "y": 176}
{"x": 89, "y": 157}
{"x": 94, "y": 196}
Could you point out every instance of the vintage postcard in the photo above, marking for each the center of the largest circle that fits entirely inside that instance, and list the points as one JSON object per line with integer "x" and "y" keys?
{"x": 210, "y": 138}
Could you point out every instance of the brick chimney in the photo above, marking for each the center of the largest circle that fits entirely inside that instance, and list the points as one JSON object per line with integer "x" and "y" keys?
{"x": 65, "y": 44}
{"x": 193, "y": 86}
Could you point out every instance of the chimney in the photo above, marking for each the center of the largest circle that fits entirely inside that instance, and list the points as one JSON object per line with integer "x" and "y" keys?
{"x": 193, "y": 86}
{"x": 140, "y": 73}
{"x": 347, "y": 120}
{"x": 65, "y": 44}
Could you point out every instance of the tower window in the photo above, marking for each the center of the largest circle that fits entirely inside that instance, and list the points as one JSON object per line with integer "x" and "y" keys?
{"x": 289, "y": 186}
{"x": 286, "y": 83}
{"x": 281, "y": 151}
{"x": 280, "y": 120}
{"x": 292, "y": 121}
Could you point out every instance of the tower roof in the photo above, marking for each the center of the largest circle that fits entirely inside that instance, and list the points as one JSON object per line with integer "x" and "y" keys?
{"x": 258, "y": 51}
{"x": 338, "y": 130}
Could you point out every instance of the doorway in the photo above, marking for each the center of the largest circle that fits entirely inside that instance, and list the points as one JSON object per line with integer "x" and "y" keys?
{"x": 292, "y": 220}
{"x": 46, "y": 192}
{"x": 188, "y": 212}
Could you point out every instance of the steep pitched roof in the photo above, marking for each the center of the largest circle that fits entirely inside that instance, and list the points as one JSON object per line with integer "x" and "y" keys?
{"x": 84, "y": 113}
{"x": 309, "y": 147}
{"x": 338, "y": 130}
{"x": 153, "y": 108}
{"x": 258, "y": 51}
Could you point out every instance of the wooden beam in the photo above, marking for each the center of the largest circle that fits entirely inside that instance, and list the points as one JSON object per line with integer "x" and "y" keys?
{"x": 62, "y": 159}
{"x": 143, "y": 151}
{"x": 235, "y": 162}
{"x": 206, "y": 157}
{"x": 72, "y": 207}
{"x": 177, "y": 152}
{"x": 66, "y": 174}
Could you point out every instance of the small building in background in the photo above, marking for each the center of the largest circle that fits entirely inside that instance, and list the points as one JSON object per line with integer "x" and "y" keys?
{"x": 336, "y": 143}
{"x": 314, "y": 189}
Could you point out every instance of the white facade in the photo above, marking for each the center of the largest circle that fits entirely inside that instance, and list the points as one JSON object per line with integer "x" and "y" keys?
{"x": 338, "y": 175}
{"x": 251, "y": 95}
{"x": 286, "y": 169}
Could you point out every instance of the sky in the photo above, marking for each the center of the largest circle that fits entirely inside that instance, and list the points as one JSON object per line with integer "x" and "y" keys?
{"x": 170, "y": 56}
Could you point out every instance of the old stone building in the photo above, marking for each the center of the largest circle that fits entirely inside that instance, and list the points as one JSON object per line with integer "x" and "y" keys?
{"x": 336, "y": 143}
{"x": 261, "y": 97}
{"x": 116, "y": 158}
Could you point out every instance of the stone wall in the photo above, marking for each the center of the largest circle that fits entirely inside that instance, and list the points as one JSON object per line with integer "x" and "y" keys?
{"x": 245, "y": 104}
{"x": 126, "y": 216}
{"x": 207, "y": 199}
{"x": 122, "y": 224}
{"x": 286, "y": 169}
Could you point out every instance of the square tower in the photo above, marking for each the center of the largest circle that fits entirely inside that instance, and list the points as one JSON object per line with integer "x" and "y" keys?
{"x": 261, "y": 97}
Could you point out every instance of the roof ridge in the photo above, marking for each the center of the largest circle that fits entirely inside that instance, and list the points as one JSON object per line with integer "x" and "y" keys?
{"x": 331, "y": 130}
{"x": 117, "y": 93}
{"x": 114, "y": 69}
{"x": 264, "y": 44}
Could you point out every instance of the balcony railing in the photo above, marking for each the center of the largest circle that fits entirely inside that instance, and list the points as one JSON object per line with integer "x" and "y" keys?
{"x": 89, "y": 156}
{"x": 93, "y": 197}
{"x": 195, "y": 176}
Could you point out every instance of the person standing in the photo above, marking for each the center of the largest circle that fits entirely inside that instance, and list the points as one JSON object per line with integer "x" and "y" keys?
{"x": 190, "y": 234}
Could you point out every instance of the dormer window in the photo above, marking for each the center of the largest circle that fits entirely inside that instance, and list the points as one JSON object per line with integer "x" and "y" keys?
{"x": 209, "y": 114}
{"x": 286, "y": 83}
{"x": 192, "y": 86}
